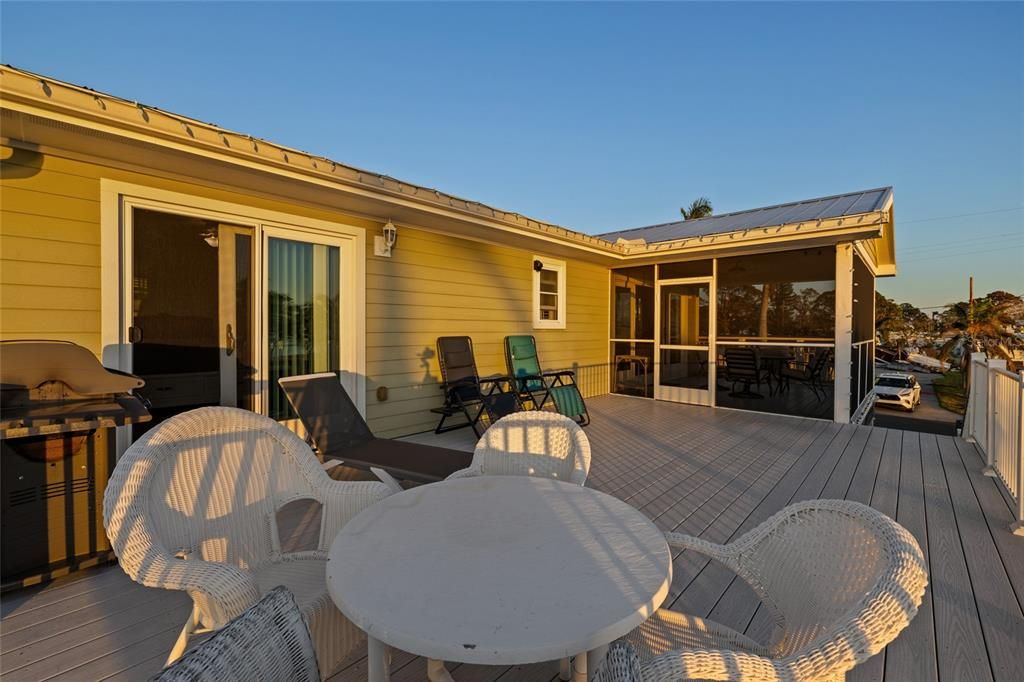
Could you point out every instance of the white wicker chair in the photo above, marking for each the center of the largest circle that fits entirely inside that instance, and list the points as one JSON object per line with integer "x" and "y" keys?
{"x": 192, "y": 506}
{"x": 839, "y": 579}
{"x": 532, "y": 443}
{"x": 269, "y": 642}
{"x": 621, "y": 664}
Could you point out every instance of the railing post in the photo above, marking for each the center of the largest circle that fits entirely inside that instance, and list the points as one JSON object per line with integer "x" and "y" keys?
{"x": 1017, "y": 527}
{"x": 990, "y": 420}
{"x": 972, "y": 384}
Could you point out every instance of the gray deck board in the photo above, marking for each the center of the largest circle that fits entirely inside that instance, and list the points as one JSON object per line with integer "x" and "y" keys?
{"x": 714, "y": 473}
{"x": 913, "y": 655}
{"x": 997, "y": 516}
{"x": 877, "y": 461}
{"x": 1001, "y": 619}
{"x": 958, "y": 638}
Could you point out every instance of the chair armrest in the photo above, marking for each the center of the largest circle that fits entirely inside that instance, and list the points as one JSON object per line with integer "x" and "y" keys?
{"x": 458, "y": 383}
{"x": 711, "y": 550}
{"x": 494, "y": 378}
{"x": 341, "y": 501}
{"x": 468, "y": 472}
{"x": 710, "y": 664}
{"x": 560, "y": 373}
{"x": 387, "y": 479}
{"x": 220, "y": 591}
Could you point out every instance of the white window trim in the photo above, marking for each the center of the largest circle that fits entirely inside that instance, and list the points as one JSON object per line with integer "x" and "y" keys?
{"x": 118, "y": 198}
{"x": 559, "y": 267}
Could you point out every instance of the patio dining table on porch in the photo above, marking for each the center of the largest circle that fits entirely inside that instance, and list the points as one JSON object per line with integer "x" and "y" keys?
{"x": 498, "y": 570}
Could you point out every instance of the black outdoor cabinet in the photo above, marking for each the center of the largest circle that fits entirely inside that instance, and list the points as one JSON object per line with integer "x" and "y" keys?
{"x": 51, "y": 512}
{"x": 58, "y": 411}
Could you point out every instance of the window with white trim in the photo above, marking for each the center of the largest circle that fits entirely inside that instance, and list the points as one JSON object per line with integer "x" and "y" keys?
{"x": 548, "y": 293}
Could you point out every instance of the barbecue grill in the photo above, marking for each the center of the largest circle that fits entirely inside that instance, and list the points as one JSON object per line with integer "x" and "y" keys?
{"x": 58, "y": 407}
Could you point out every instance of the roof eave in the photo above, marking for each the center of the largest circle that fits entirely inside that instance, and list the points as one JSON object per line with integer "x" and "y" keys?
{"x": 847, "y": 228}
{"x": 28, "y": 94}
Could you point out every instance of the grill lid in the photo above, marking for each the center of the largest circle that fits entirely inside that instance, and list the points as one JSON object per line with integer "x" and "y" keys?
{"x": 30, "y": 364}
{"x": 54, "y": 387}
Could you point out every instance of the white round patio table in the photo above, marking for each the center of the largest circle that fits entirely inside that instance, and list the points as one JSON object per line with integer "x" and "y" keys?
{"x": 498, "y": 570}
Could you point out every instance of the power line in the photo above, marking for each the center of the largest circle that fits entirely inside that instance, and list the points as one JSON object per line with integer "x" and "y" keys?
{"x": 955, "y": 255}
{"x": 962, "y": 215}
{"x": 942, "y": 245}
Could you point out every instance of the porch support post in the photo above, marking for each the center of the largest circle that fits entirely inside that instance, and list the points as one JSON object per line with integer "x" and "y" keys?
{"x": 844, "y": 332}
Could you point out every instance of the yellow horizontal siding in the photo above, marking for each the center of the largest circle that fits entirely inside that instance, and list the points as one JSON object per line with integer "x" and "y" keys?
{"x": 42, "y": 274}
{"x": 46, "y": 204}
{"x": 36, "y": 249}
{"x": 29, "y": 297}
{"x": 434, "y": 285}
{"x": 50, "y": 228}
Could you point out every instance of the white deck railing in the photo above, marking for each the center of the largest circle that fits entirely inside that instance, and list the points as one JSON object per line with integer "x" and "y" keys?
{"x": 995, "y": 423}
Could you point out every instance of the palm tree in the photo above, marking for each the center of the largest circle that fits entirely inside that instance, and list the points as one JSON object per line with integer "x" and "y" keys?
{"x": 698, "y": 208}
{"x": 985, "y": 330}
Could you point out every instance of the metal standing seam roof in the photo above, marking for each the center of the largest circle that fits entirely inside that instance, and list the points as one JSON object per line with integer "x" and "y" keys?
{"x": 836, "y": 206}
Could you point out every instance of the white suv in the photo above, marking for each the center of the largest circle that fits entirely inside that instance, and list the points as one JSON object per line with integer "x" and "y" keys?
{"x": 898, "y": 389}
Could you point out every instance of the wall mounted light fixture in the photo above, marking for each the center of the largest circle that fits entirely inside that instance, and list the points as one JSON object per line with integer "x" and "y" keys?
{"x": 382, "y": 244}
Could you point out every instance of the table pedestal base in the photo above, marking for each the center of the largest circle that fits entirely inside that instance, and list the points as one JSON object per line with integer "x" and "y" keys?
{"x": 584, "y": 666}
{"x": 378, "y": 660}
{"x": 436, "y": 672}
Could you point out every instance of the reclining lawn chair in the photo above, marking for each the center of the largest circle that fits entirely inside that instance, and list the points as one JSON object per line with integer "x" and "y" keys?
{"x": 743, "y": 366}
{"x": 466, "y": 392}
{"x": 813, "y": 374}
{"x": 340, "y": 433}
{"x": 536, "y": 385}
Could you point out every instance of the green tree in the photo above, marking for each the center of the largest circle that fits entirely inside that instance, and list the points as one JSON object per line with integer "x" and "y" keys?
{"x": 988, "y": 328}
{"x": 698, "y": 208}
{"x": 890, "y": 325}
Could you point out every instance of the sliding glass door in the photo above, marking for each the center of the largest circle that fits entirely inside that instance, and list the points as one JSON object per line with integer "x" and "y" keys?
{"x": 191, "y": 319}
{"x": 303, "y": 321}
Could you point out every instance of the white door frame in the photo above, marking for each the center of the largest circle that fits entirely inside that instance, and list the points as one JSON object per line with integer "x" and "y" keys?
{"x": 676, "y": 393}
{"x": 117, "y": 201}
{"x": 349, "y": 356}
{"x": 227, "y": 278}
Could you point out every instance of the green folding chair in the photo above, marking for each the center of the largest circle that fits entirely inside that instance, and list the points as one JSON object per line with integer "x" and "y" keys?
{"x": 537, "y": 386}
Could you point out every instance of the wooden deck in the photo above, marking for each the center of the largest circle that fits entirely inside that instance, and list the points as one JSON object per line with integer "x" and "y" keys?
{"x": 713, "y": 473}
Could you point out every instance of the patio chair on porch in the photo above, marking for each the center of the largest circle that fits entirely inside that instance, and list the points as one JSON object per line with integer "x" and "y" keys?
{"x": 193, "y": 506}
{"x": 340, "y": 433}
{"x": 812, "y": 374}
{"x": 537, "y": 386}
{"x": 840, "y": 581}
{"x": 742, "y": 366}
{"x": 466, "y": 393}
{"x": 269, "y": 642}
{"x": 532, "y": 444}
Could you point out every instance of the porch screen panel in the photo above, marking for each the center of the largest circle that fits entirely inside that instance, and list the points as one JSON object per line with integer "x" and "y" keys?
{"x": 632, "y": 331}
{"x": 303, "y": 314}
{"x": 862, "y": 355}
{"x": 775, "y": 320}
{"x": 782, "y": 297}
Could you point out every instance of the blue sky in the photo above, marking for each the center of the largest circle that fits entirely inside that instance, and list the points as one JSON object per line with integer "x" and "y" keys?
{"x": 605, "y": 116}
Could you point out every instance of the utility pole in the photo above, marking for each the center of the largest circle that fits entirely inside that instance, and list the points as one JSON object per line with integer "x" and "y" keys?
{"x": 970, "y": 302}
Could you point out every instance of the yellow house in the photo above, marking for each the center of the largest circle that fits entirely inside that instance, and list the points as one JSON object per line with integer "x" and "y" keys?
{"x": 212, "y": 263}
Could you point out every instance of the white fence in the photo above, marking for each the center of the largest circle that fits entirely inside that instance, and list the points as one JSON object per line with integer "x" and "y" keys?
{"x": 995, "y": 422}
